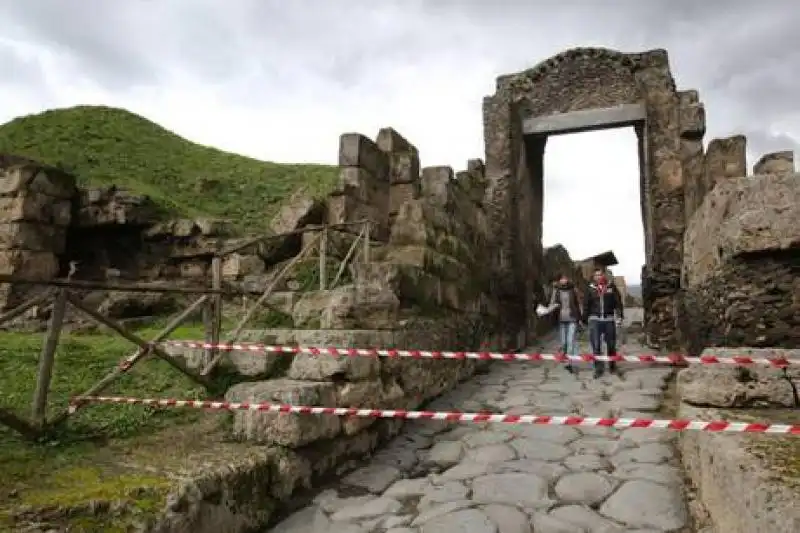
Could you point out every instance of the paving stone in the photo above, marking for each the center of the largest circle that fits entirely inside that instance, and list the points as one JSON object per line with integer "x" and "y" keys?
{"x": 526, "y": 490}
{"x": 333, "y": 504}
{"x": 486, "y": 437}
{"x": 585, "y": 518}
{"x": 308, "y": 520}
{"x": 549, "y": 471}
{"x": 405, "y": 489}
{"x": 451, "y": 491}
{"x": 445, "y": 454}
{"x": 403, "y": 459}
{"x": 463, "y": 521}
{"x": 370, "y": 509}
{"x": 653, "y": 453}
{"x": 587, "y": 488}
{"x": 397, "y": 521}
{"x": 440, "y": 510}
{"x": 375, "y": 477}
{"x": 401, "y": 530}
{"x": 463, "y": 471}
{"x": 540, "y": 450}
{"x": 493, "y": 453}
{"x": 644, "y": 504}
{"x": 543, "y": 523}
{"x": 661, "y": 473}
{"x": 555, "y": 434}
{"x": 636, "y": 400}
{"x": 597, "y": 445}
{"x": 587, "y": 463}
{"x": 507, "y": 519}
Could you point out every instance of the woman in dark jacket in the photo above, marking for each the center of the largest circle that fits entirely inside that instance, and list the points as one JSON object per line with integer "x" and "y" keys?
{"x": 565, "y": 299}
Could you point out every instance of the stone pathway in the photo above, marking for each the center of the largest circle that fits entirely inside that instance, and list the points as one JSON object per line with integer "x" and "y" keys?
{"x": 484, "y": 478}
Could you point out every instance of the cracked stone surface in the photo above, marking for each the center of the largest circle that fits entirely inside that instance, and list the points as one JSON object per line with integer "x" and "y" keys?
{"x": 486, "y": 478}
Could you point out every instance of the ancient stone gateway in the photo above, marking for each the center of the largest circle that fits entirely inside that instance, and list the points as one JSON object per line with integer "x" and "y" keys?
{"x": 588, "y": 89}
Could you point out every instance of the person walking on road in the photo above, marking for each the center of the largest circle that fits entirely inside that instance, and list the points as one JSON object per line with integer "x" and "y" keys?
{"x": 565, "y": 299}
{"x": 603, "y": 310}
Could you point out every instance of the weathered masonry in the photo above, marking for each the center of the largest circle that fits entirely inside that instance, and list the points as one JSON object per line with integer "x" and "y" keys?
{"x": 588, "y": 89}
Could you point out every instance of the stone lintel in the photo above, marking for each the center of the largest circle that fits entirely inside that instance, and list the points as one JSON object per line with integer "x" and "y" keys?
{"x": 585, "y": 120}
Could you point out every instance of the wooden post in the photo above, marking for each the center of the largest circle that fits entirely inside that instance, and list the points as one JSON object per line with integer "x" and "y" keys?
{"x": 216, "y": 284}
{"x": 323, "y": 271}
{"x": 347, "y": 258}
{"x": 141, "y": 343}
{"x": 128, "y": 363}
{"x": 261, "y": 299}
{"x": 366, "y": 242}
{"x": 47, "y": 359}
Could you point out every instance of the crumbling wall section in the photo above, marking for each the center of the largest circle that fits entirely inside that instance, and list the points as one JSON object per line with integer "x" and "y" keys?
{"x": 35, "y": 210}
{"x": 742, "y": 264}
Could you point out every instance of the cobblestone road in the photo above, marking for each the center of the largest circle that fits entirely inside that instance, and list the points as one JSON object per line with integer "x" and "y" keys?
{"x": 475, "y": 478}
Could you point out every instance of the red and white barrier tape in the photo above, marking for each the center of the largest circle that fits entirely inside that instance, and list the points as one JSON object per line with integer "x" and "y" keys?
{"x": 715, "y": 426}
{"x": 430, "y": 354}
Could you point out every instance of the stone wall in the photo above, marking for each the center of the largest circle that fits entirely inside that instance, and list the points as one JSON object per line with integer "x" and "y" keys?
{"x": 35, "y": 211}
{"x": 746, "y": 482}
{"x": 741, "y": 271}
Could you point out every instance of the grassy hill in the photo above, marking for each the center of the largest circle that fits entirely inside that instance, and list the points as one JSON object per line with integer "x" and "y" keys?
{"x": 105, "y": 146}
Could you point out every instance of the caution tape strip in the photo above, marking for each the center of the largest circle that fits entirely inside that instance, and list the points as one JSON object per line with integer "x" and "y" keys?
{"x": 485, "y": 356}
{"x": 715, "y": 426}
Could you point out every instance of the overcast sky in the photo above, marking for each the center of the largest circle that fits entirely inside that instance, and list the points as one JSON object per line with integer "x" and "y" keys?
{"x": 280, "y": 80}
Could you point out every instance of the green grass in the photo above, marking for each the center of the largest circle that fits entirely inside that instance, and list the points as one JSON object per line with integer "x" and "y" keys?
{"x": 108, "y": 146}
{"x": 40, "y": 471}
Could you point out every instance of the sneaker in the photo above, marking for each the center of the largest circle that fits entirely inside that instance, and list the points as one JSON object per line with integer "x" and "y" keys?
{"x": 598, "y": 372}
{"x": 570, "y": 369}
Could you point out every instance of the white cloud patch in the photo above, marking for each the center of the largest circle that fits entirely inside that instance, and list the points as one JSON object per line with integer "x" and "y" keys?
{"x": 281, "y": 80}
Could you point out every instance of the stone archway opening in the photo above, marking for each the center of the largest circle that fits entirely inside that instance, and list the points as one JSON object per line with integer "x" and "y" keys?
{"x": 592, "y": 197}
{"x": 580, "y": 90}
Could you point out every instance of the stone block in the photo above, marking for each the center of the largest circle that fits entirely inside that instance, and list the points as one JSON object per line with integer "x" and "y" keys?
{"x": 731, "y": 386}
{"x": 347, "y": 307}
{"x": 441, "y": 265}
{"x": 404, "y": 167}
{"x": 401, "y": 193}
{"x": 34, "y": 237}
{"x": 362, "y": 186}
{"x": 193, "y": 268}
{"x": 742, "y": 215}
{"x": 389, "y": 140}
{"x": 35, "y": 178}
{"x": 289, "y": 430}
{"x": 342, "y": 209}
{"x": 356, "y": 150}
{"x": 29, "y": 264}
{"x": 692, "y": 114}
{"x": 111, "y": 205}
{"x": 778, "y": 163}
{"x": 725, "y": 158}
{"x": 300, "y": 210}
{"x": 237, "y": 265}
{"x": 436, "y": 184}
{"x": 35, "y": 207}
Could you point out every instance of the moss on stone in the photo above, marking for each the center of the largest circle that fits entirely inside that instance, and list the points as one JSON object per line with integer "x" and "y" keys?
{"x": 81, "y": 484}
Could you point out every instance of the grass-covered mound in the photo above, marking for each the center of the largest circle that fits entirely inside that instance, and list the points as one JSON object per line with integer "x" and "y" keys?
{"x": 111, "y": 146}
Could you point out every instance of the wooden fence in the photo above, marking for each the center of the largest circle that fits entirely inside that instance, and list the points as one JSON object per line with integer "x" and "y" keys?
{"x": 61, "y": 294}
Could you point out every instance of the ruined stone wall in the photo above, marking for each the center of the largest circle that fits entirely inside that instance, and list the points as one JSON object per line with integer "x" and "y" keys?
{"x": 577, "y": 80}
{"x": 742, "y": 263}
{"x": 35, "y": 211}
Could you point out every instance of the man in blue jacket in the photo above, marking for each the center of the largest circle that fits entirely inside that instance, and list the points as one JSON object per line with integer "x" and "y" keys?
{"x": 601, "y": 310}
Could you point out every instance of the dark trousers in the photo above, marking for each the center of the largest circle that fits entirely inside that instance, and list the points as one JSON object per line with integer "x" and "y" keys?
{"x": 599, "y": 330}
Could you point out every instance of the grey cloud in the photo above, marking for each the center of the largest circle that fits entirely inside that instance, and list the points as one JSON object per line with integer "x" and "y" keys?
{"x": 738, "y": 53}
{"x": 93, "y": 32}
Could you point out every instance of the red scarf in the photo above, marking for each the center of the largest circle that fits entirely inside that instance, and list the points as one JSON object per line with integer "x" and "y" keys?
{"x": 602, "y": 285}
